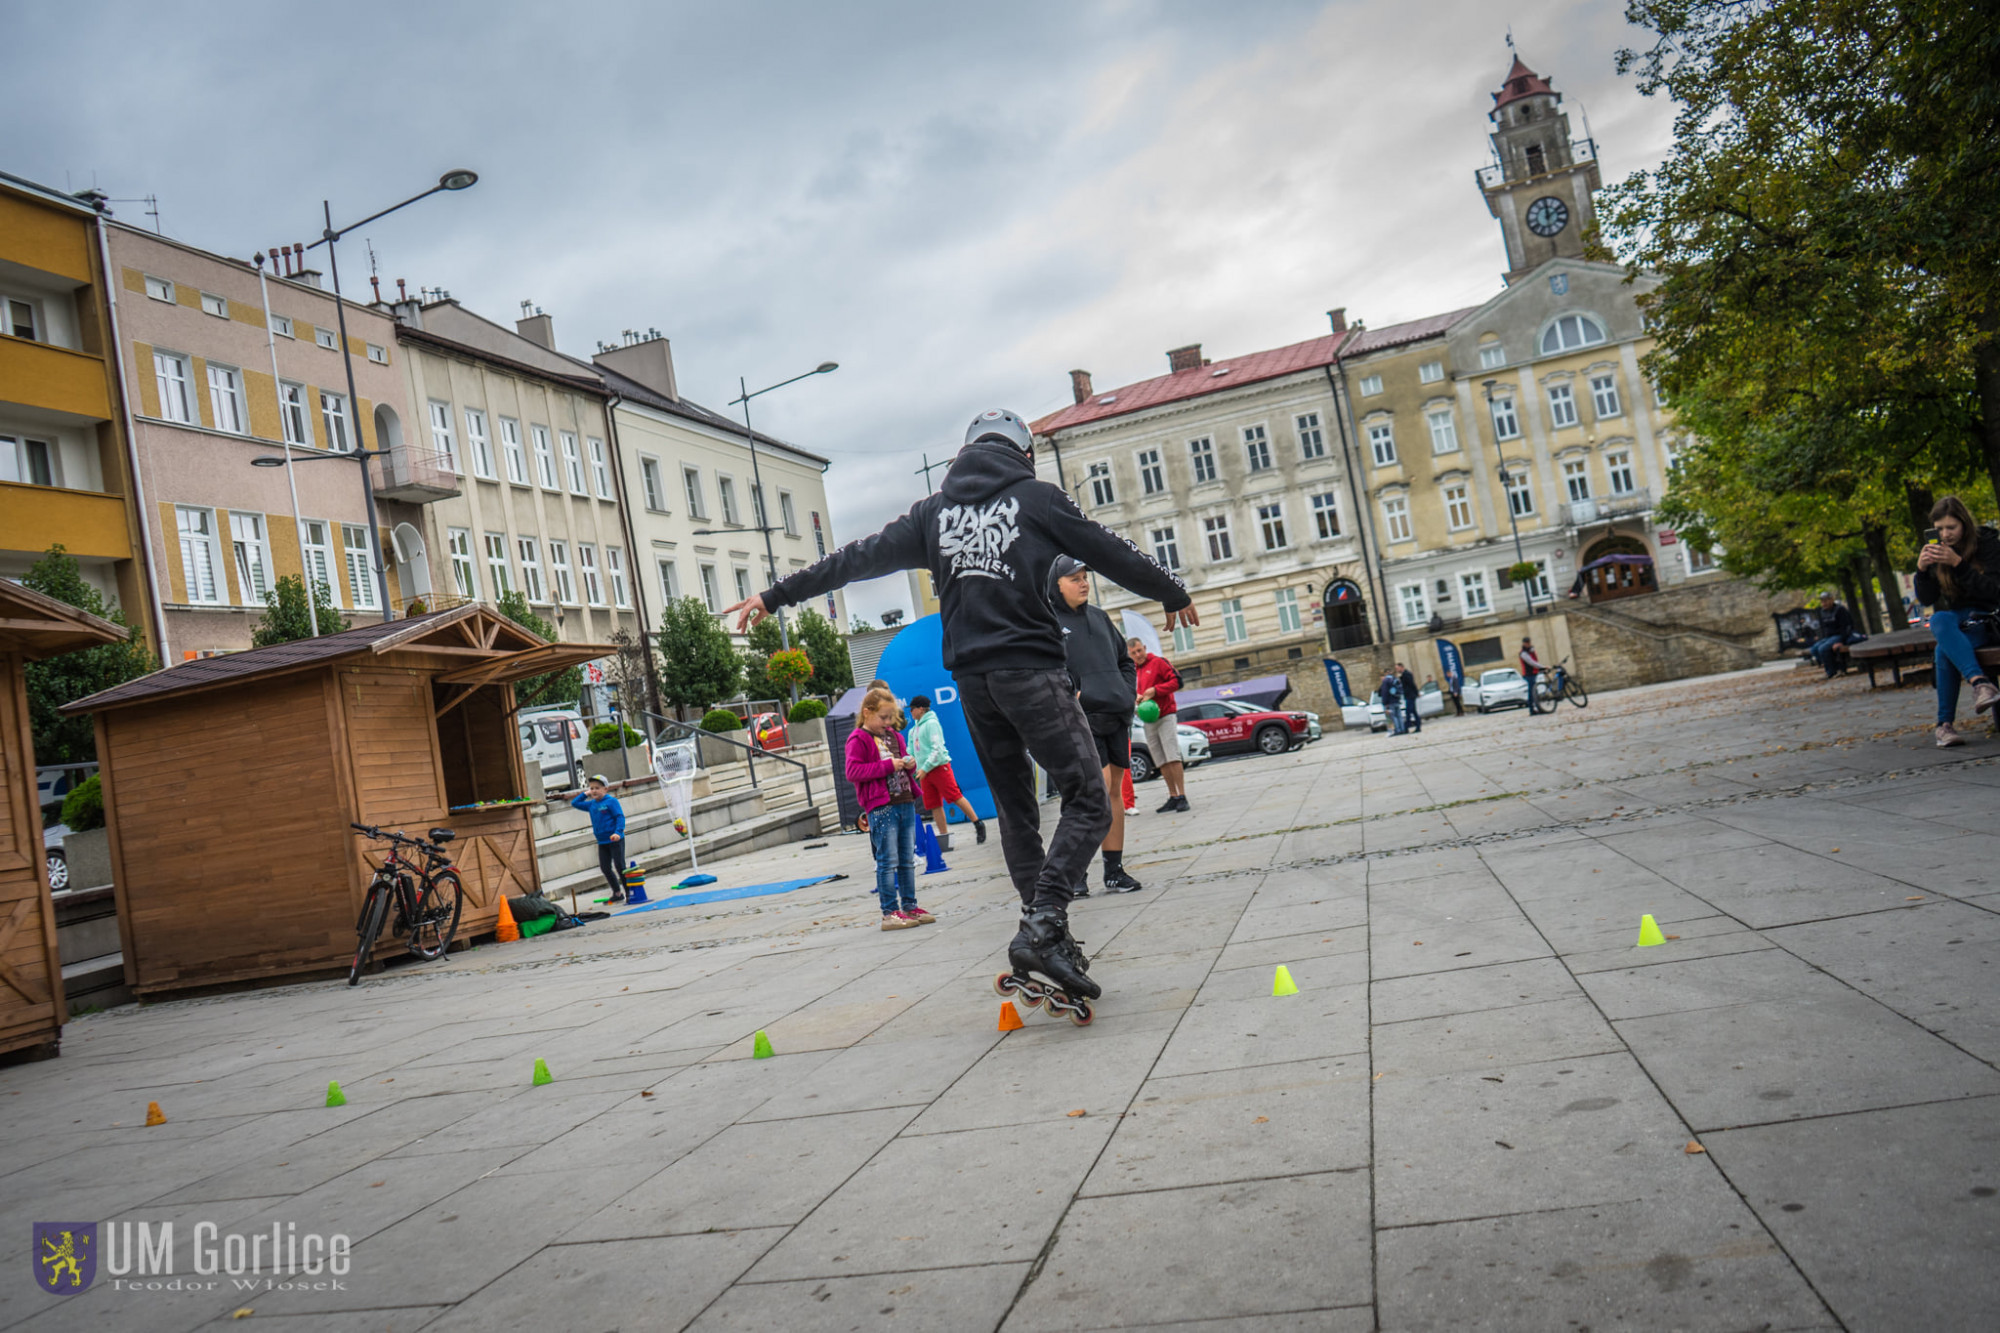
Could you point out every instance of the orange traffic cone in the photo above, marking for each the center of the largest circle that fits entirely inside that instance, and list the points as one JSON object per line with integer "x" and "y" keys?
{"x": 1010, "y": 1017}
{"x": 154, "y": 1115}
{"x": 505, "y": 931}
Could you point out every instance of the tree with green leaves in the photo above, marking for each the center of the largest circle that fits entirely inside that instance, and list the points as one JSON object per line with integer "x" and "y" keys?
{"x": 1828, "y": 320}
{"x": 557, "y": 687}
{"x": 762, "y": 640}
{"x": 698, "y": 664}
{"x": 821, "y": 638}
{"x": 286, "y": 617}
{"x": 72, "y": 676}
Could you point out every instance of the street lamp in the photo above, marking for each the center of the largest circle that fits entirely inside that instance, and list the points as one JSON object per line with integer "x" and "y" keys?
{"x": 1527, "y": 587}
{"x": 451, "y": 180}
{"x": 757, "y": 481}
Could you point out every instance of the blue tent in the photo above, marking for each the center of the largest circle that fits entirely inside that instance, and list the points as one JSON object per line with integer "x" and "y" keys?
{"x": 913, "y": 664}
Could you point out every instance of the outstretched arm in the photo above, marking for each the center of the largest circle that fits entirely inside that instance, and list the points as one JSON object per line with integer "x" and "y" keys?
{"x": 1118, "y": 559}
{"x": 898, "y": 546}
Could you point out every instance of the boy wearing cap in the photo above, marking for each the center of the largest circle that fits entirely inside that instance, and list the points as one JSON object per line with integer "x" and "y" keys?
{"x": 607, "y": 821}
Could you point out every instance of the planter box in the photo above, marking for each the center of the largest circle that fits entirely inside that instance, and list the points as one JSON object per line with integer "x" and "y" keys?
{"x": 89, "y": 857}
{"x": 611, "y": 766}
{"x": 714, "y": 752}
{"x": 810, "y": 732}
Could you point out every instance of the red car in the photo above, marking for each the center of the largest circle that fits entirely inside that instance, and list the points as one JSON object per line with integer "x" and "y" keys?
{"x": 1235, "y": 728}
{"x": 769, "y": 731}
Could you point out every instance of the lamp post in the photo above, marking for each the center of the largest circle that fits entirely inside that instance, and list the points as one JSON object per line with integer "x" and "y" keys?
{"x": 1527, "y": 588}
{"x": 451, "y": 180}
{"x": 757, "y": 481}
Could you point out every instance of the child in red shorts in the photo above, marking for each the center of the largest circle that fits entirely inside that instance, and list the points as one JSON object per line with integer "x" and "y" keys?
{"x": 936, "y": 787}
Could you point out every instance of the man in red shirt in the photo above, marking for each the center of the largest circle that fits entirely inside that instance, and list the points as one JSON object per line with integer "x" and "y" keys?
{"x": 1531, "y": 670}
{"x": 1158, "y": 681}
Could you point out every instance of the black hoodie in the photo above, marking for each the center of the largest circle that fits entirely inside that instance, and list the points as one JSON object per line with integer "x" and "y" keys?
{"x": 1100, "y": 669}
{"x": 1975, "y": 583}
{"x": 988, "y": 539}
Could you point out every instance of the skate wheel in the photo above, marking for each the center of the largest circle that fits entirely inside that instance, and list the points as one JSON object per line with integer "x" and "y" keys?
{"x": 1005, "y": 986}
{"x": 1082, "y": 1014}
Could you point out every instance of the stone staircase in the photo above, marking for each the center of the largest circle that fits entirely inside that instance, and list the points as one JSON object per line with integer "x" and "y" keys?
{"x": 729, "y": 817}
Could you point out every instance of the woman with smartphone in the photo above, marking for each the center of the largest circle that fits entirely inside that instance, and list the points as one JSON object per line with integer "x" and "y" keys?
{"x": 1958, "y": 577}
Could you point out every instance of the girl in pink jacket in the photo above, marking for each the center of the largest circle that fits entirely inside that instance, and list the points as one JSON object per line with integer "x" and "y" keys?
{"x": 884, "y": 779}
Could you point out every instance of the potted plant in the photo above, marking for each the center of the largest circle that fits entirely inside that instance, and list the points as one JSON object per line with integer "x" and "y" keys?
{"x": 1523, "y": 571}
{"x": 87, "y": 845}
{"x": 807, "y": 722}
{"x": 608, "y": 739}
{"x": 719, "y": 721}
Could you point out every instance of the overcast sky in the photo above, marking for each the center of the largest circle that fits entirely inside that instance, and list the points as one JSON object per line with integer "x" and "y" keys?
{"x": 956, "y": 202}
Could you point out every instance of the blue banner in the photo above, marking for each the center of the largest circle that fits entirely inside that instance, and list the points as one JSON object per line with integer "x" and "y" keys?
{"x": 1454, "y": 665}
{"x": 1336, "y": 676}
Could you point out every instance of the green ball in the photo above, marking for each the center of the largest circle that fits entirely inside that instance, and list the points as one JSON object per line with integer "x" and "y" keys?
{"x": 1149, "y": 711}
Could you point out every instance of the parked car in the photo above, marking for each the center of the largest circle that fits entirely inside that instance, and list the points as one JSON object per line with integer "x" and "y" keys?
{"x": 1312, "y": 719}
{"x": 52, "y": 852}
{"x": 769, "y": 730}
{"x": 1234, "y": 728}
{"x": 1356, "y": 712}
{"x": 1502, "y": 687}
{"x": 542, "y": 744}
{"x": 1430, "y": 703}
{"x": 1194, "y": 749}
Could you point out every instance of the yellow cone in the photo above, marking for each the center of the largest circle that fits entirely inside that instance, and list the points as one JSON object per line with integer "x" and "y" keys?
{"x": 760, "y": 1049}
{"x": 334, "y": 1096}
{"x": 1282, "y": 983}
{"x": 542, "y": 1074}
{"x": 1649, "y": 931}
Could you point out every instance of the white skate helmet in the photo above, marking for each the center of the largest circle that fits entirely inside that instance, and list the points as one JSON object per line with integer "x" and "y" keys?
{"x": 1000, "y": 424}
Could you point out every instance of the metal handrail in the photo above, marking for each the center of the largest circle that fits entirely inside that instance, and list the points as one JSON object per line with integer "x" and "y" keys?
{"x": 751, "y": 752}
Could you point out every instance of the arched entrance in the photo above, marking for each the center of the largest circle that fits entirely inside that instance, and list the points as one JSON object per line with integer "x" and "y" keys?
{"x": 1346, "y": 616}
{"x": 1618, "y": 567}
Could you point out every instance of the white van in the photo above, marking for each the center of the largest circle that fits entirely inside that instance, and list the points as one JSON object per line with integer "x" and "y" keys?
{"x": 542, "y": 743}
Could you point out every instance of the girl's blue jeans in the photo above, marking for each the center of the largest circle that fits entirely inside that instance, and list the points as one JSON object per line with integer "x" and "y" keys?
{"x": 892, "y": 834}
{"x": 1956, "y": 659}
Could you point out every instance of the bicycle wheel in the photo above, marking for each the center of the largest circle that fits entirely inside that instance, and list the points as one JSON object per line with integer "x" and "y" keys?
{"x": 437, "y": 916}
{"x": 1574, "y": 693}
{"x": 373, "y": 913}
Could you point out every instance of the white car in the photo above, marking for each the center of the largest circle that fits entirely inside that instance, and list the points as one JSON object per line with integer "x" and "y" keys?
{"x": 1502, "y": 687}
{"x": 1430, "y": 703}
{"x": 1194, "y": 749}
{"x": 542, "y": 744}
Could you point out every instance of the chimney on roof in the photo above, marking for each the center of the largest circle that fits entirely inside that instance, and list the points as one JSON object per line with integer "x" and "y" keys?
{"x": 1184, "y": 358}
{"x": 1338, "y": 318}
{"x": 648, "y": 359}
{"x": 1079, "y": 384}
{"x": 535, "y": 326}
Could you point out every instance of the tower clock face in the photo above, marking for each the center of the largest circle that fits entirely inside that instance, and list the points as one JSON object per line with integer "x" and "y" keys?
{"x": 1547, "y": 215}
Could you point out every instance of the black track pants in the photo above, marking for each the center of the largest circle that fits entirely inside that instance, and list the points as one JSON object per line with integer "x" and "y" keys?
{"x": 1016, "y": 716}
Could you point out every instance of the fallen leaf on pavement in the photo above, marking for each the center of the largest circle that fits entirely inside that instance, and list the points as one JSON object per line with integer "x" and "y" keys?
{"x": 1378, "y": 1077}
{"x": 1261, "y": 1120}
{"x": 1077, "y": 1112}
{"x": 1916, "y": 898}
{"x": 1693, "y": 1148}
{"x": 645, "y": 1092}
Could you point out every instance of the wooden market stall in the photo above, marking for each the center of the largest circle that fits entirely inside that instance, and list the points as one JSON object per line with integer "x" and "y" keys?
{"x": 32, "y": 627}
{"x": 229, "y": 784}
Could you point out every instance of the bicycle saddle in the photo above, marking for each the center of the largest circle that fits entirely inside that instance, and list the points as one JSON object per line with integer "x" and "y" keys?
{"x": 442, "y": 835}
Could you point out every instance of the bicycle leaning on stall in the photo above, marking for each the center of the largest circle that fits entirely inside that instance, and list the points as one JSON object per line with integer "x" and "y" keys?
{"x": 428, "y": 897}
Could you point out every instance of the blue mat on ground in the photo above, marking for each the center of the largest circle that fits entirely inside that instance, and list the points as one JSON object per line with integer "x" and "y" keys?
{"x": 723, "y": 895}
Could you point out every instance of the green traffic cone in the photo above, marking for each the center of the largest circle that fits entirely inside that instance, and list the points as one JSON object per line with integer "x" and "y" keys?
{"x": 761, "y": 1048}
{"x": 542, "y": 1074}
{"x": 334, "y": 1096}
{"x": 1282, "y": 983}
{"x": 1649, "y": 932}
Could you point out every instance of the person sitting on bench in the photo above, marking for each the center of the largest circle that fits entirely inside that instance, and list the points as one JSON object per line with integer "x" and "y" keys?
{"x": 1836, "y": 630}
{"x": 1958, "y": 577}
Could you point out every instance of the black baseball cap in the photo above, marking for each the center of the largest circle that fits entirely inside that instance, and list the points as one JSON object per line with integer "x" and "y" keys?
{"x": 1067, "y": 565}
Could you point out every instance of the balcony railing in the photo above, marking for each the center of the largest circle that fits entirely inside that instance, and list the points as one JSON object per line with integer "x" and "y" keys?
{"x": 415, "y": 476}
{"x": 1579, "y": 151}
{"x": 1604, "y": 508}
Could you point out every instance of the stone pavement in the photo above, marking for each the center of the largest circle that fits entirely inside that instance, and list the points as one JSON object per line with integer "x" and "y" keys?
{"x": 1478, "y": 1112}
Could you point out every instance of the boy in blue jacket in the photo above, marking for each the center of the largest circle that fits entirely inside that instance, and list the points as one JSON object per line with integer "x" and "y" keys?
{"x": 607, "y": 821}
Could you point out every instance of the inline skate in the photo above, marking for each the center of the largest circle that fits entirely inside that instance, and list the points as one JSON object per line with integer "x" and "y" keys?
{"x": 1043, "y": 945}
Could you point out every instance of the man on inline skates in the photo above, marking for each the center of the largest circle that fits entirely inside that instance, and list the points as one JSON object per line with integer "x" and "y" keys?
{"x": 988, "y": 538}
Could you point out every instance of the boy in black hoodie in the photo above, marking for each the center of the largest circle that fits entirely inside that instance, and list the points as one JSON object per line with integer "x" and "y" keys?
{"x": 1107, "y": 685}
{"x": 988, "y": 538}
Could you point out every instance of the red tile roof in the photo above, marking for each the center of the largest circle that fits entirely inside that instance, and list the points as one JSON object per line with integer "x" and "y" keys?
{"x": 1520, "y": 82}
{"x": 1395, "y": 335}
{"x": 1195, "y": 383}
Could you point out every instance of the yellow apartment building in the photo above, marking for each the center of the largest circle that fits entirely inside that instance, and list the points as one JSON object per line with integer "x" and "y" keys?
{"x": 66, "y": 471}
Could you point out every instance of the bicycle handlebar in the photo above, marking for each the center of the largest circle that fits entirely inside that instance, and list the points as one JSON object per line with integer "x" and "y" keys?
{"x": 373, "y": 832}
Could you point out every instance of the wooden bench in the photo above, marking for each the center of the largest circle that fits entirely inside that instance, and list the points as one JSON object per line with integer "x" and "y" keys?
{"x": 1905, "y": 647}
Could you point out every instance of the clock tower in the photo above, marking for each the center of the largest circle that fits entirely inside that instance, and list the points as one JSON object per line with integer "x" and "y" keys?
{"x": 1541, "y": 180}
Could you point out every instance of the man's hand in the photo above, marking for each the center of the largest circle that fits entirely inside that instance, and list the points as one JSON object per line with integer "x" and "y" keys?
{"x": 1147, "y": 695}
{"x": 1185, "y": 616}
{"x": 752, "y": 609}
